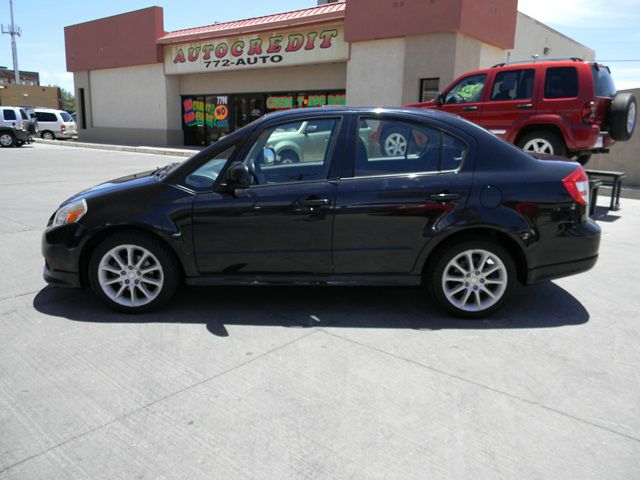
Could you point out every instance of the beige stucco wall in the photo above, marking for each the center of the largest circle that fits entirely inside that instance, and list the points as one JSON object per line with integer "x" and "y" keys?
{"x": 329, "y": 76}
{"x": 532, "y": 37}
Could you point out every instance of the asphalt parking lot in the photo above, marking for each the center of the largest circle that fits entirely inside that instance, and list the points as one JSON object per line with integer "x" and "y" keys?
{"x": 312, "y": 383}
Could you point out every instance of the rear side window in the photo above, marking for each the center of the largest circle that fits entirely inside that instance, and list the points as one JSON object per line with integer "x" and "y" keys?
{"x": 561, "y": 82}
{"x": 603, "y": 82}
{"x": 9, "y": 114}
{"x": 390, "y": 147}
{"x": 513, "y": 85}
{"x": 46, "y": 117}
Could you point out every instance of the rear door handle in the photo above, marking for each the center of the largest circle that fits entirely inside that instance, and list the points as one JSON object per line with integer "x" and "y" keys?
{"x": 314, "y": 202}
{"x": 471, "y": 108}
{"x": 525, "y": 106}
{"x": 445, "y": 197}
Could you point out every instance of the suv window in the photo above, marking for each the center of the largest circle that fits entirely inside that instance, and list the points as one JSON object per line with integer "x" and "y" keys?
{"x": 303, "y": 151}
{"x": 46, "y": 117}
{"x": 603, "y": 82}
{"x": 9, "y": 114}
{"x": 467, "y": 90}
{"x": 388, "y": 147}
{"x": 561, "y": 82}
{"x": 513, "y": 85}
{"x": 66, "y": 117}
{"x": 24, "y": 115}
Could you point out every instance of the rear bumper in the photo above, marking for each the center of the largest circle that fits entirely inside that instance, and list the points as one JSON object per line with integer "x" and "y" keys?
{"x": 550, "y": 272}
{"x": 22, "y": 135}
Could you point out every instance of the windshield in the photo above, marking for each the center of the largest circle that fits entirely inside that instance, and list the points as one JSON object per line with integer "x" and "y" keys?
{"x": 66, "y": 117}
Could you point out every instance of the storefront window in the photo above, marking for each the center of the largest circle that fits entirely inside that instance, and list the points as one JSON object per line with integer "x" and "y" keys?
{"x": 207, "y": 118}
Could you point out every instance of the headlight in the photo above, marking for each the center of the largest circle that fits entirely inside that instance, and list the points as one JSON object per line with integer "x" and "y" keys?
{"x": 69, "y": 213}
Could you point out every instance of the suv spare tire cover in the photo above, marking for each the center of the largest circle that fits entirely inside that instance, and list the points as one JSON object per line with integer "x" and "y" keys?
{"x": 622, "y": 116}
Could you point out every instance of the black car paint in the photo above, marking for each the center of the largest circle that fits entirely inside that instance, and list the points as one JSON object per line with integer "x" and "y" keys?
{"x": 373, "y": 230}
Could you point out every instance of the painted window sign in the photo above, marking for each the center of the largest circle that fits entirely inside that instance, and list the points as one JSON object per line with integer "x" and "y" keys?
{"x": 293, "y": 47}
{"x": 217, "y": 112}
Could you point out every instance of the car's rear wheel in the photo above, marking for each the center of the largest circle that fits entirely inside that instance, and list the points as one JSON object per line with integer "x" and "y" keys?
{"x": 622, "y": 116}
{"x": 472, "y": 278}
{"x": 7, "y": 139}
{"x": 47, "y": 135}
{"x": 133, "y": 272}
{"x": 288, "y": 157}
{"x": 543, "y": 141}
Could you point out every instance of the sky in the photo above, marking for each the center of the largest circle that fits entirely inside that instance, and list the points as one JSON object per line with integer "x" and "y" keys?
{"x": 607, "y": 26}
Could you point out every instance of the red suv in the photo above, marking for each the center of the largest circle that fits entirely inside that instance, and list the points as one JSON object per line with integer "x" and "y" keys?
{"x": 559, "y": 107}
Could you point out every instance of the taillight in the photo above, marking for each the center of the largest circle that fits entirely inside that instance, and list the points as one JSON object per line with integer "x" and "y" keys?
{"x": 589, "y": 111}
{"x": 63, "y": 128}
{"x": 577, "y": 184}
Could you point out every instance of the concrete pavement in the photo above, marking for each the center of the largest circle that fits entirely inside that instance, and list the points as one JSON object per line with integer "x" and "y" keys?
{"x": 315, "y": 383}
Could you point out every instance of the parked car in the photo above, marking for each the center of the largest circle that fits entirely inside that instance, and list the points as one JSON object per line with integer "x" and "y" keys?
{"x": 557, "y": 107}
{"x": 14, "y": 126}
{"x": 55, "y": 124}
{"x": 461, "y": 211}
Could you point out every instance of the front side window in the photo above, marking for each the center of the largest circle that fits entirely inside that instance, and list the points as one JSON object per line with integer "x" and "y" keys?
{"x": 9, "y": 114}
{"x": 389, "y": 147}
{"x": 513, "y": 85}
{"x": 467, "y": 90}
{"x": 302, "y": 151}
{"x": 204, "y": 177}
{"x": 561, "y": 82}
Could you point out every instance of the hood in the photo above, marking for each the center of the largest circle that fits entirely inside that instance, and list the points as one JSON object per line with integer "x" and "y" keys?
{"x": 429, "y": 104}
{"x": 137, "y": 180}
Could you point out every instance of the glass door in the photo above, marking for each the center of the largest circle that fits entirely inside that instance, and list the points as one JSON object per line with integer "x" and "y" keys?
{"x": 248, "y": 108}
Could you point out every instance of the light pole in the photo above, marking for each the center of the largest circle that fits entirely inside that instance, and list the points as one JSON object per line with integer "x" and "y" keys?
{"x": 13, "y": 31}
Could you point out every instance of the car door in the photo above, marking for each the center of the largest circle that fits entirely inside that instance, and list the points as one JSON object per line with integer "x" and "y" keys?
{"x": 282, "y": 223}
{"x": 510, "y": 99}
{"x": 388, "y": 209}
{"x": 466, "y": 97}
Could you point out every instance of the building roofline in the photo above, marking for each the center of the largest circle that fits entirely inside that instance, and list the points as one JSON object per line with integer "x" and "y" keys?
{"x": 544, "y": 25}
{"x": 305, "y": 16}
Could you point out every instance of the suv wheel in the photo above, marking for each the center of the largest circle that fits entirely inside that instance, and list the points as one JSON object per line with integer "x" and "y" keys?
{"x": 543, "y": 141}
{"x": 48, "y": 135}
{"x": 622, "y": 119}
{"x": 473, "y": 278}
{"x": 7, "y": 139}
{"x": 133, "y": 272}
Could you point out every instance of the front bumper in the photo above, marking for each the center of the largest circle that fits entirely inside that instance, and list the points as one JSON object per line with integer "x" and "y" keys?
{"x": 61, "y": 251}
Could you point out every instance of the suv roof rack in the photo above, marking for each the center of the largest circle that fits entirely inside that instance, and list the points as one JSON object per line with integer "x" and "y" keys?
{"x": 534, "y": 60}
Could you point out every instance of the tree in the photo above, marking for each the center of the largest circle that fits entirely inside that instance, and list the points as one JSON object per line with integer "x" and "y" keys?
{"x": 67, "y": 100}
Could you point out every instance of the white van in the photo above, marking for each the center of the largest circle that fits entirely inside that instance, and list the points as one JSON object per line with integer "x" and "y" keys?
{"x": 55, "y": 124}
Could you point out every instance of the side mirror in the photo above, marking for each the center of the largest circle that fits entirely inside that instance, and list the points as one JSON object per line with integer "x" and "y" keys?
{"x": 310, "y": 129}
{"x": 238, "y": 176}
{"x": 268, "y": 156}
{"x": 440, "y": 99}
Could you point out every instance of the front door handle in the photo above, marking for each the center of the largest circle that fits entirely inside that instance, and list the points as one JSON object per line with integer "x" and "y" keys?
{"x": 525, "y": 106}
{"x": 314, "y": 202}
{"x": 470, "y": 108}
{"x": 445, "y": 197}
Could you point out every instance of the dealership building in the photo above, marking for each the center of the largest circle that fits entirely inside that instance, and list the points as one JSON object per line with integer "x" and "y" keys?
{"x": 137, "y": 84}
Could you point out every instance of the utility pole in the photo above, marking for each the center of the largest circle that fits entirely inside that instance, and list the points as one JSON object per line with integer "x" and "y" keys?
{"x": 13, "y": 31}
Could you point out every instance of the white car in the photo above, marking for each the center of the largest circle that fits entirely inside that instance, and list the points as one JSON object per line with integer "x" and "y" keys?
{"x": 55, "y": 124}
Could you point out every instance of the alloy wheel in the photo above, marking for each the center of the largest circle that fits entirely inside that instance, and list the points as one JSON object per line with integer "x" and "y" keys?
{"x": 6, "y": 140}
{"x": 130, "y": 275}
{"x": 631, "y": 118}
{"x": 474, "y": 280}
{"x": 538, "y": 145}
{"x": 395, "y": 144}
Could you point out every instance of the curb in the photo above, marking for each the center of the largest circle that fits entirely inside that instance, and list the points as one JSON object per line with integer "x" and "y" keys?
{"x": 121, "y": 148}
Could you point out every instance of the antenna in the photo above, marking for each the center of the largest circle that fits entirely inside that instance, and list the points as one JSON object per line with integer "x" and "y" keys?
{"x": 14, "y": 31}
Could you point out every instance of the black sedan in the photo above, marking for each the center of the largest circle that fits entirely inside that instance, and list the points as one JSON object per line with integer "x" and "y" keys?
{"x": 448, "y": 206}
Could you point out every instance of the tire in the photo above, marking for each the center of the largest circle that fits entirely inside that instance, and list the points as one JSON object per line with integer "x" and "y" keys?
{"x": 543, "y": 141}
{"x": 121, "y": 292}
{"x": 622, "y": 116}
{"x": 394, "y": 142}
{"x": 464, "y": 303}
{"x": 583, "y": 159}
{"x": 19, "y": 143}
{"x": 288, "y": 157}
{"x": 7, "y": 140}
{"x": 47, "y": 135}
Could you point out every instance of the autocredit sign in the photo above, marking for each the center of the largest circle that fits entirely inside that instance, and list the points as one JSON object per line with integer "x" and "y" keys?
{"x": 270, "y": 49}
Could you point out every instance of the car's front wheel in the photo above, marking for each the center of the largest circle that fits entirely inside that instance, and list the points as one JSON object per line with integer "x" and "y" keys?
{"x": 472, "y": 278}
{"x": 133, "y": 272}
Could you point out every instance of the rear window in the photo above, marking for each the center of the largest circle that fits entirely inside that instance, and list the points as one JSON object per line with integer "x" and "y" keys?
{"x": 561, "y": 82}
{"x": 24, "y": 115}
{"x": 9, "y": 114}
{"x": 603, "y": 82}
{"x": 66, "y": 117}
{"x": 46, "y": 117}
